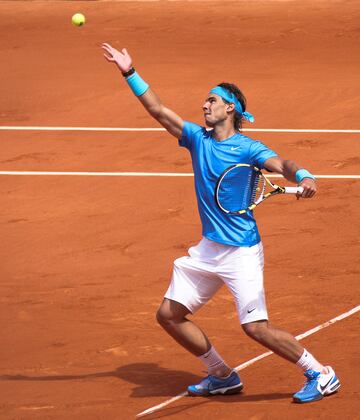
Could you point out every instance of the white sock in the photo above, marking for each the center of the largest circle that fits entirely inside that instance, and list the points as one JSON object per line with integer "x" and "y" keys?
{"x": 213, "y": 361}
{"x": 307, "y": 361}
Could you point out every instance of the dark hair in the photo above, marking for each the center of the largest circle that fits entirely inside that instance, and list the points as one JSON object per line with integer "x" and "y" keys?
{"x": 238, "y": 119}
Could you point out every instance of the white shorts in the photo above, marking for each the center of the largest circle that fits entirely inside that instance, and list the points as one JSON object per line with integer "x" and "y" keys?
{"x": 197, "y": 277}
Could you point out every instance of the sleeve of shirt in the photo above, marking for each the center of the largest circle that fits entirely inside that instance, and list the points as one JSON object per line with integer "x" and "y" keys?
{"x": 188, "y": 135}
{"x": 260, "y": 154}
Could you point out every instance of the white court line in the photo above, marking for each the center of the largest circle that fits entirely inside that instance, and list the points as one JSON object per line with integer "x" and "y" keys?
{"x": 42, "y": 128}
{"x": 161, "y": 174}
{"x": 255, "y": 359}
{"x": 129, "y": 129}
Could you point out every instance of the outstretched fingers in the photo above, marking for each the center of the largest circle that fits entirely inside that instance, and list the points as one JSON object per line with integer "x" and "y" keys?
{"x": 110, "y": 52}
{"x": 121, "y": 58}
{"x": 108, "y": 48}
{"x": 109, "y": 58}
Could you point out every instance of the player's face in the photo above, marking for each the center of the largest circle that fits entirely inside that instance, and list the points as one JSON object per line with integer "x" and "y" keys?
{"x": 214, "y": 109}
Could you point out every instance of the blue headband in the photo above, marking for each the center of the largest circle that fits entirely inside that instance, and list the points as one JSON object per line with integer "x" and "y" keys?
{"x": 231, "y": 98}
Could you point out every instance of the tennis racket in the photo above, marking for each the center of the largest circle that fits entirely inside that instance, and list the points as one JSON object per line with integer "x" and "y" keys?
{"x": 242, "y": 187}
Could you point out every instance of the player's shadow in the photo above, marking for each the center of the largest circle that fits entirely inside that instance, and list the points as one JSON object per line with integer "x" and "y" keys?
{"x": 151, "y": 380}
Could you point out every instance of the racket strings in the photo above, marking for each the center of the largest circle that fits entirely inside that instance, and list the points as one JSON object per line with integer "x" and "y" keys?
{"x": 259, "y": 189}
{"x": 255, "y": 190}
{"x": 239, "y": 188}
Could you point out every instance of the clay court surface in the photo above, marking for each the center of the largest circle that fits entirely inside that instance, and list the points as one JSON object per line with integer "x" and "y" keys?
{"x": 85, "y": 260}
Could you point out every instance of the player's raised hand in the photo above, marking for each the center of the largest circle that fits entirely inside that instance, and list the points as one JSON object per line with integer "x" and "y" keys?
{"x": 121, "y": 58}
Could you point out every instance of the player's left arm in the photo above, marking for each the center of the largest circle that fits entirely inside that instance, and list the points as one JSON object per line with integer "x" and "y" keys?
{"x": 172, "y": 122}
{"x": 293, "y": 173}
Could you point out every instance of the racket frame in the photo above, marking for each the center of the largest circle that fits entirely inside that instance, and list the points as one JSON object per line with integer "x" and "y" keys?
{"x": 277, "y": 189}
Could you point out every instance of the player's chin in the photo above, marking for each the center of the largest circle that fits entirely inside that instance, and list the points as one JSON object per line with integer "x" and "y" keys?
{"x": 209, "y": 123}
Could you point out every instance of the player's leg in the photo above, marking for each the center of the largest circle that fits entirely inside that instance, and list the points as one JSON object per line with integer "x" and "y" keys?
{"x": 280, "y": 342}
{"x": 242, "y": 272}
{"x": 320, "y": 380}
{"x": 221, "y": 379}
{"x": 192, "y": 285}
{"x": 172, "y": 317}
{"x": 244, "y": 277}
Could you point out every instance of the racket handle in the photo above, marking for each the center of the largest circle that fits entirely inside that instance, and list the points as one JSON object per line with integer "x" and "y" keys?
{"x": 293, "y": 190}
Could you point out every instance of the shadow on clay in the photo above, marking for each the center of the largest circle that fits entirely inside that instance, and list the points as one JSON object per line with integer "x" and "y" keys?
{"x": 150, "y": 380}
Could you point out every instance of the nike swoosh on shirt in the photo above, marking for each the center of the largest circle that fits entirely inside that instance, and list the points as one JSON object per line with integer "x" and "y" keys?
{"x": 234, "y": 148}
{"x": 250, "y": 310}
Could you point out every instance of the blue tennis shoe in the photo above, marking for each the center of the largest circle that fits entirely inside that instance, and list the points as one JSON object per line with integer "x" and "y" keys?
{"x": 317, "y": 386}
{"x": 212, "y": 385}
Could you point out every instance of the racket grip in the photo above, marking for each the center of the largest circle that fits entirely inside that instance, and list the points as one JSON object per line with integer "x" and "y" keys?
{"x": 293, "y": 190}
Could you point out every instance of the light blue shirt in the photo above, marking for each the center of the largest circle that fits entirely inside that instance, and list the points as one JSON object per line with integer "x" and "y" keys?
{"x": 209, "y": 159}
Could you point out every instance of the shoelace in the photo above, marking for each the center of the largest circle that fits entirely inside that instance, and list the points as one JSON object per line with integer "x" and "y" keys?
{"x": 309, "y": 383}
{"x": 204, "y": 383}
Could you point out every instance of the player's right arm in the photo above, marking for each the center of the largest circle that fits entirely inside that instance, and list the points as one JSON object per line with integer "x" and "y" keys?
{"x": 172, "y": 122}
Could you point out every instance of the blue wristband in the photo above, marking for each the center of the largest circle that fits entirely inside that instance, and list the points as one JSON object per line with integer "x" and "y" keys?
{"x": 137, "y": 84}
{"x": 303, "y": 173}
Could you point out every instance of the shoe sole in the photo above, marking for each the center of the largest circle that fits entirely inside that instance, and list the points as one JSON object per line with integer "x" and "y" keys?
{"x": 223, "y": 391}
{"x": 298, "y": 401}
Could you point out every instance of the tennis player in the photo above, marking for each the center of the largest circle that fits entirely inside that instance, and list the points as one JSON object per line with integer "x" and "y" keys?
{"x": 230, "y": 251}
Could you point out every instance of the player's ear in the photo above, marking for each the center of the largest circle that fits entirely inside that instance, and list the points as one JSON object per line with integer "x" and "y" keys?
{"x": 230, "y": 107}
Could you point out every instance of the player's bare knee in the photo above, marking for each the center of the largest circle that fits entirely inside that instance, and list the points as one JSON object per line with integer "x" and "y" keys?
{"x": 163, "y": 316}
{"x": 256, "y": 330}
{"x": 170, "y": 313}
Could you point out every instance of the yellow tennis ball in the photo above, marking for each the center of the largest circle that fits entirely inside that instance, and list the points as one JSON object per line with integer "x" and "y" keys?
{"x": 78, "y": 19}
